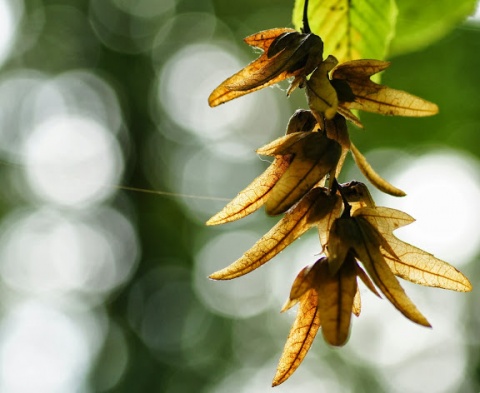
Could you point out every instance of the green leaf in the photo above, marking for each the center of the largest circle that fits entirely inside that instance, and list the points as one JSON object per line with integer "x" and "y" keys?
{"x": 421, "y": 23}
{"x": 351, "y": 29}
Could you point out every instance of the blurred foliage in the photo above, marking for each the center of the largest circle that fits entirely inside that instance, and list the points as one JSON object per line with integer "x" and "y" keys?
{"x": 346, "y": 27}
{"x": 418, "y": 26}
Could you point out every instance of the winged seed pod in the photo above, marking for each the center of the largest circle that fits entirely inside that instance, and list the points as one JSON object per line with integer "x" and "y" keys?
{"x": 286, "y": 53}
{"x": 366, "y": 95}
{"x": 313, "y": 209}
{"x": 254, "y": 195}
{"x": 407, "y": 261}
{"x": 368, "y": 233}
{"x": 328, "y": 290}
{"x": 321, "y": 96}
{"x": 313, "y": 157}
{"x": 326, "y": 301}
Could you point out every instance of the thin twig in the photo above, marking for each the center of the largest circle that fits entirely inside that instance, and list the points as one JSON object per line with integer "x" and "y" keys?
{"x": 306, "y": 25}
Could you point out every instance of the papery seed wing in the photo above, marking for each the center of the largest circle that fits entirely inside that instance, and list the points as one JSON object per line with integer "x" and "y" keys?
{"x": 366, "y": 280}
{"x": 336, "y": 295}
{"x": 320, "y": 214}
{"x": 301, "y": 121}
{"x": 421, "y": 267}
{"x": 287, "y": 230}
{"x": 390, "y": 102}
{"x": 357, "y": 303}
{"x": 304, "y": 281}
{"x": 359, "y": 69}
{"x": 325, "y": 224}
{"x": 339, "y": 167}
{"x": 348, "y": 114}
{"x": 294, "y": 184}
{"x": 284, "y": 145}
{"x": 268, "y": 66}
{"x": 369, "y": 254}
{"x": 300, "y": 338}
{"x": 264, "y": 39}
{"x": 407, "y": 261}
{"x": 384, "y": 219}
{"x": 372, "y": 176}
{"x": 337, "y": 130}
{"x": 343, "y": 236}
{"x": 372, "y": 97}
{"x": 273, "y": 66}
{"x": 313, "y": 159}
{"x": 243, "y": 83}
{"x": 254, "y": 196}
{"x": 322, "y": 97}
{"x": 326, "y": 209}
{"x": 375, "y": 236}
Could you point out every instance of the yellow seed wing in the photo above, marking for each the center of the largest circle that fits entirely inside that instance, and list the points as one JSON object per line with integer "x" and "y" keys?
{"x": 286, "y": 56}
{"x": 366, "y": 280}
{"x": 304, "y": 281}
{"x": 336, "y": 295}
{"x": 371, "y": 257}
{"x": 300, "y": 338}
{"x": 253, "y": 196}
{"x": 237, "y": 86}
{"x": 421, "y": 267}
{"x": 372, "y": 176}
{"x": 372, "y": 97}
{"x": 359, "y": 69}
{"x": 314, "y": 157}
{"x": 384, "y": 219}
{"x": 322, "y": 97}
{"x": 287, "y": 230}
{"x": 264, "y": 39}
{"x": 357, "y": 303}
{"x": 387, "y": 101}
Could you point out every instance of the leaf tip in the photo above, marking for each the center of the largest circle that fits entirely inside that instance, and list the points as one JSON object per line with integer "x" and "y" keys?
{"x": 288, "y": 304}
{"x": 428, "y": 325}
{"x": 467, "y": 285}
{"x": 217, "y": 219}
{"x": 422, "y": 321}
{"x": 212, "y": 99}
{"x": 219, "y": 276}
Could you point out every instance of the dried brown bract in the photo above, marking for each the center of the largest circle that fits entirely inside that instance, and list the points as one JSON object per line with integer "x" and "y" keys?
{"x": 358, "y": 92}
{"x": 286, "y": 53}
{"x": 313, "y": 156}
{"x": 314, "y": 209}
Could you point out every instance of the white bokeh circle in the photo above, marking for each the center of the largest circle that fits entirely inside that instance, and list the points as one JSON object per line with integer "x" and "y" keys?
{"x": 72, "y": 160}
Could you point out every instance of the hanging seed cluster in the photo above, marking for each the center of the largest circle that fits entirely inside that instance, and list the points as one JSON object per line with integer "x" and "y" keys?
{"x": 301, "y": 186}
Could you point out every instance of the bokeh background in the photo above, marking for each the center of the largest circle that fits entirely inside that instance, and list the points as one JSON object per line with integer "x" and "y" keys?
{"x": 104, "y": 289}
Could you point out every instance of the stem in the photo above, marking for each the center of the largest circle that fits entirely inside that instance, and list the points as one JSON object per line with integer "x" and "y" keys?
{"x": 306, "y": 26}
